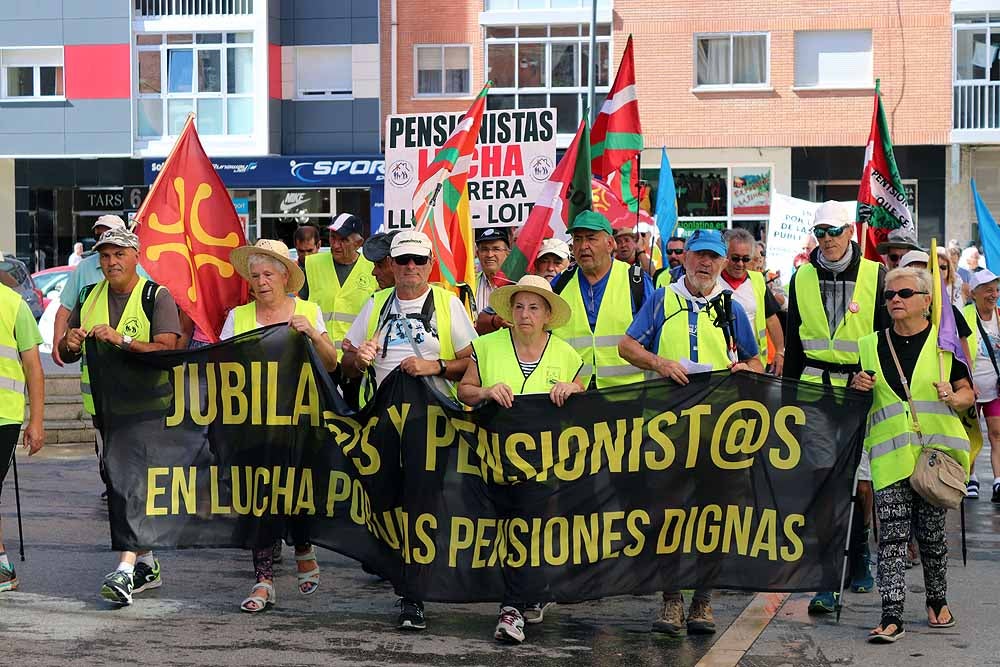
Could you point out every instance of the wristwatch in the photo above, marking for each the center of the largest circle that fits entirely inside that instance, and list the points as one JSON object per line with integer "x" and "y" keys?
{"x": 442, "y": 367}
{"x": 126, "y": 342}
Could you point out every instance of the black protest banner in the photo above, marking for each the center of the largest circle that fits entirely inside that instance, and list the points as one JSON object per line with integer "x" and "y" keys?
{"x": 733, "y": 481}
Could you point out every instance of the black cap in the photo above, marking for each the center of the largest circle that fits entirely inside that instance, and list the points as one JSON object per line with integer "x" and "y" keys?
{"x": 376, "y": 247}
{"x": 346, "y": 224}
{"x": 493, "y": 234}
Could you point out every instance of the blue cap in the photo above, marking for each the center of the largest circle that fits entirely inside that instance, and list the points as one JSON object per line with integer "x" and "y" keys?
{"x": 706, "y": 239}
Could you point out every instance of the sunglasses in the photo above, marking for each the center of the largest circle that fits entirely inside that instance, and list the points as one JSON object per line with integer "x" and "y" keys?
{"x": 894, "y": 258}
{"x": 675, "y": 251}
{"x": 832, "y": 232}
{"x": 740, "y": 259}
{"x": 904, "y": 293}
{"x": 404, "y": 260}
{"x": 943, "y": 267}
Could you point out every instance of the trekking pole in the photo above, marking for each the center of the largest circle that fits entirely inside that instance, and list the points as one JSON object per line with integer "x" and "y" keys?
{"x": 965, "y": 562}
{"x": 847, "y": 545}
{"x": 17, "y": 501}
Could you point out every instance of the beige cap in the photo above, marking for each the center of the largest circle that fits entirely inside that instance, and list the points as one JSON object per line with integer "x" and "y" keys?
{"x": 110, "y": 221}
{"x": 554, "y": 246}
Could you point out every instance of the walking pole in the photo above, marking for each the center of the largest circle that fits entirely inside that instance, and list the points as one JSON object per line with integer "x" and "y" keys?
{"x": 17, "y": 501}
{"x": 847, "y": 546}
{"x": 965, "y": 559}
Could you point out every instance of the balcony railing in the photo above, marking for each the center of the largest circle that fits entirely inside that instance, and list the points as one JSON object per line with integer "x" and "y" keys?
{"x": 976, "y": 105}
{"x": 160, "y": 8}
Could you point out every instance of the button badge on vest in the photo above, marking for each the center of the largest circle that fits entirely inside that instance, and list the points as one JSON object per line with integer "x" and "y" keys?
{"x": 853, "y": 307}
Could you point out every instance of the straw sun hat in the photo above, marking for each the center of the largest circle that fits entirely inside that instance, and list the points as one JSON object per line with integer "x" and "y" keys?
{"x": 502, "y": 298}
{"x": 240, "y": 258}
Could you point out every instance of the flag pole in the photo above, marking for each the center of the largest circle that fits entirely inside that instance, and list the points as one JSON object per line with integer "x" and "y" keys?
{"x": 17, "y": 499}
{"x": 591, "y": 79}
{"x": 163, "y": 168}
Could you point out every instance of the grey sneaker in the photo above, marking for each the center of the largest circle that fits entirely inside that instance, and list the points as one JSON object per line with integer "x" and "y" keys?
{"x": 535, "y": 613}
{"x": 117, "y": 588}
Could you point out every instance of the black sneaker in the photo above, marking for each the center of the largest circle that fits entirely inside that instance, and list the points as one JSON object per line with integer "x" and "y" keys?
{"x": 117, "y": 588}
{"x": 996, "y": 493}
{"x": 145, "y": 577}
{"x": 411, "y": 615}
{"x": 276, "y": 552}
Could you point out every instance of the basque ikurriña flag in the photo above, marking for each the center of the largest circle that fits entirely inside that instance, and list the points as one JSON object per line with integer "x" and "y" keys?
{"x": 881, "y": 197}
{"x": 187, "y": 228}
{"x": 438, "y": 198}
{"x": 617, "y": 133}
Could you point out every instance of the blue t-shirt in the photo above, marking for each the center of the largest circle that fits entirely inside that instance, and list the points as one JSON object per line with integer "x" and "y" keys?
{"x": 593, "y": 294}
{"x": 88, "y": 272}
{"x": 649, "y": 321}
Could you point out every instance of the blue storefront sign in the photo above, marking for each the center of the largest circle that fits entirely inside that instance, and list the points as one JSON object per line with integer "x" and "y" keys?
{"x": 334, "y": 171}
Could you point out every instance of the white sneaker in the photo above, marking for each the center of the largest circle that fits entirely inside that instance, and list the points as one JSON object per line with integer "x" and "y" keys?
{"x": 510, "y": 626}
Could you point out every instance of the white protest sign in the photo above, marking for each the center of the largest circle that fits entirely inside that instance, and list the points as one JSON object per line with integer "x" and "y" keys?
{"x": 514, "y": 157}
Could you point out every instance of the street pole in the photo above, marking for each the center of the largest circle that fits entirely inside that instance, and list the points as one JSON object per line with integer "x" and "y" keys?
{"x": 592, "y": 77}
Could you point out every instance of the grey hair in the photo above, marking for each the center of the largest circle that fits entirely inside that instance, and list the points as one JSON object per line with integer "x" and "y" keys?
{"x": 921, "y": 277}
{"x": 258, "y": 258}
{"x": 739, "y": 235}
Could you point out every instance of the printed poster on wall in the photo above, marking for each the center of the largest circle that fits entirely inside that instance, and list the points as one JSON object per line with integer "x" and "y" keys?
{"x": 751, "y": 190}
{"x": 514, "y": 157}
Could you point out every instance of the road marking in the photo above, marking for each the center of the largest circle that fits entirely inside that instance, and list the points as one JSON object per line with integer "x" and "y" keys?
{"x": 740, "y": 636}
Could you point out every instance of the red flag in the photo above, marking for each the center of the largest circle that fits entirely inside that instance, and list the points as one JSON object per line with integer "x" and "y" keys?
{"x": 617, "y": 133}
{"x": 608, "y": 204}
{"x": 187, "y": 228}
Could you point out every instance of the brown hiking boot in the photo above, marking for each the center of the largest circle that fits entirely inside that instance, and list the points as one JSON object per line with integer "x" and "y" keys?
{"x": 700, "y": 619}
{"x": 671, "y": 620}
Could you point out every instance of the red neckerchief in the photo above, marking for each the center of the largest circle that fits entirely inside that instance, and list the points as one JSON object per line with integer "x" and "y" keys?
{"x": 733, "y": 282}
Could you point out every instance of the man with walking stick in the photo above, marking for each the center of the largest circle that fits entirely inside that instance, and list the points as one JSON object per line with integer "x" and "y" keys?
{"x": 19, "y": 365}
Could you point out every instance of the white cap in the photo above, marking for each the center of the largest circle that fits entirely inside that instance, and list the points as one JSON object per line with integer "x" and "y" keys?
{"x": 110, "y": 221}
{"x": 410, "y": 242}
{"x": 914, "y": 256}
{"x": 981, "y": 278}
{"x": 554, "y": 246}
{"x": 832, "y": 213}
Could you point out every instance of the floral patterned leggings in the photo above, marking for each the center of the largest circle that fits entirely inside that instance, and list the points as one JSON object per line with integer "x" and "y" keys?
{"x": 896, "y": 506}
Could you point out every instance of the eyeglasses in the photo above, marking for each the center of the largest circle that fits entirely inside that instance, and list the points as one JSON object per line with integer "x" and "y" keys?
{"x": 832, "y": 232}
{"x": 675, "y": 251}
{"x": 740, "y": 259}
{"x": 894, "y": 258}
{"x": 904, "y": 293}
{"x": 404, "y": 260}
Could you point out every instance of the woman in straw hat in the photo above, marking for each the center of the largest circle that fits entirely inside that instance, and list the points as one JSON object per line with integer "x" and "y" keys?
{"x": 524, "y": 359}
{"x": 272, "y": 276}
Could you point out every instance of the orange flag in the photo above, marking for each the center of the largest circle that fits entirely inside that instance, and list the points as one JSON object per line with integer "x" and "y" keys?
{"x": 187, "y": 228}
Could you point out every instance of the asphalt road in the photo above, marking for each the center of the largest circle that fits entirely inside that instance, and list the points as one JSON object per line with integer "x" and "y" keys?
{"x": 57, "y": 618}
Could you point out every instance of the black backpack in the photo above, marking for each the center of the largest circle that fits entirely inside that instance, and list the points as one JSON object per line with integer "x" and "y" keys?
{"x": 635, "y": 284}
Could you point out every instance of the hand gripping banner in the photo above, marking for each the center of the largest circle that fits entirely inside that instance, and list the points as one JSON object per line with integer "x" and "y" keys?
{"x": 733, "y": 481}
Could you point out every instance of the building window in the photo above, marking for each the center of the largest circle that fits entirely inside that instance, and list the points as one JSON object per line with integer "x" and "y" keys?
{"x": 721, "y": 197}
{"x": 161, "y": 8}
{"x": 976, "y": 104}
{"x": 732, "y": 60}
{"x": 833, "y": 59}
{"x": 546, "y": 66}
{"x": 323, "y": 72}
{"x": 507, "y": 5}
{"x": 443, "y": 70}
{"x": 210, "y": 74}
{"x": 35, "y": 73}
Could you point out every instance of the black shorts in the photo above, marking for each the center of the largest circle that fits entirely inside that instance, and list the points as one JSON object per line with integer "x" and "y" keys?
{"x": 8, "y": 441}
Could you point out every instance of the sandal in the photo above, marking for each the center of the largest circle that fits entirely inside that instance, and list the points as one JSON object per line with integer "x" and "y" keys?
{"x": 880, "y": 636}
{"x": 308, "y": 580}
{"x": 256, "y": 602}
{"x": 937, "y": 607}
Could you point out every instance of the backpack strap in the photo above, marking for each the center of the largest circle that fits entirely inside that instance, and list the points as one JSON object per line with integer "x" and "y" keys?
{"x": 564, "y": 279}
{"x": 149, "y": 291}
{"x": 636, "y": 286}
{"x": 85, "y": 292}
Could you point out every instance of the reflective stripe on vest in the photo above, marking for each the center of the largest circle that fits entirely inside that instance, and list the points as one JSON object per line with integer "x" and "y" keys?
{"x": 11, "y": 373}
{"x": 245, "y": 316}
{"x": 498, "y": 362}
{"x": 95, "y": 311}
{"x": 599, "y": 348}
{"x": 890, "y": 437}
{"x": 842, "y": 347}
{"x": 340, "y": 303}
{"x": 675, "y": 336}
{"x": 757, "y": 287}
{"x": 813, "y": 374}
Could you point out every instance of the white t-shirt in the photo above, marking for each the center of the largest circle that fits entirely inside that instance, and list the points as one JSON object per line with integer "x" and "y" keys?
{"x": 396, "y": 347}
{"x": 229, "y": 327}
{"x": 985, "y": 376}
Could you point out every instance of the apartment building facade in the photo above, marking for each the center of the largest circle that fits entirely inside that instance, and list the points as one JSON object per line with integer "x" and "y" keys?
{"x": 748, "y": 98}
{"x": 93, "y": 94}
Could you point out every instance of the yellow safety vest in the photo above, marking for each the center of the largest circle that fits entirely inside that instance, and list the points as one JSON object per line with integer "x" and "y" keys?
{"x": 759, "y": 286}
{"x": 245, "y": 316}
{"x": 497, "y": 362}
{"x": 842, "y": 347}
{"x": 442, "y": 316}
{"x": 890, "y": 439}
{"x": 599, "y": 348}
{"x": 11, "y": 372}
{"x": 94, "y": 311}
{"x": 675, "y": 341}
{"x": 340, "y": 303}
{"x": 664, "y": 278}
